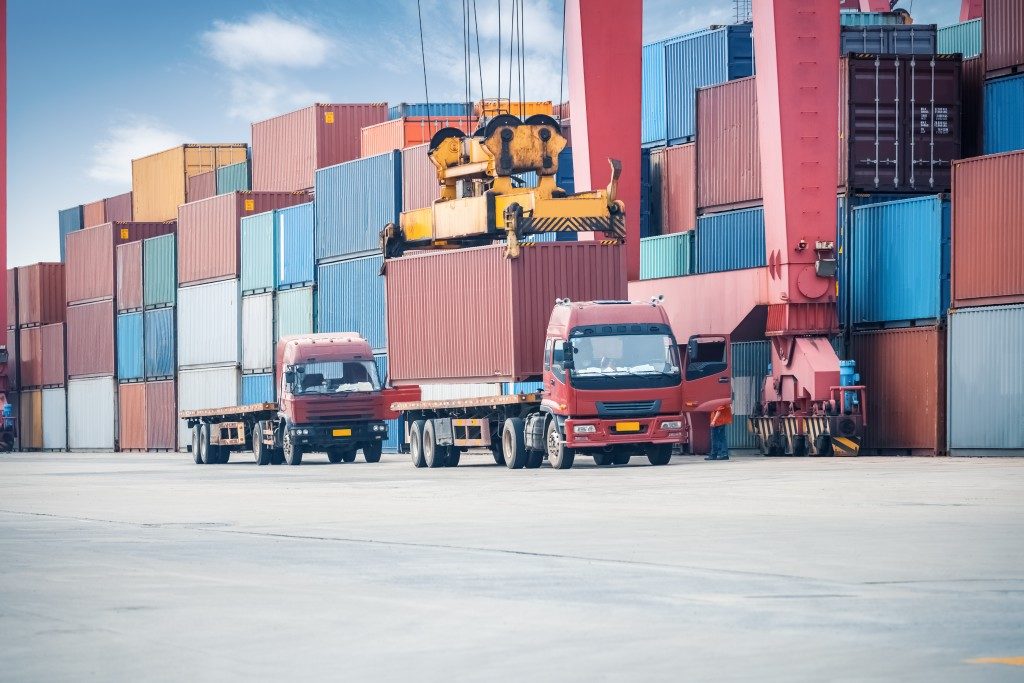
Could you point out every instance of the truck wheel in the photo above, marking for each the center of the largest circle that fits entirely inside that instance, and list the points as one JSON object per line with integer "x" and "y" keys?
{"x": 416, "y": 443}
{"x": 513, "y": 443}
{"x": 454, "y": 455}
{"x": 497, "y": 454}
{"x": 335, "y": 455}
{"x": 534, "y": 459}
{"x": 348, "y": 456}
{"x": 434, "y": 454}
{"x": 659, "y": 455}
{"x": 372, "y": 451}
{"x": 209, "y": 452}
{"x": 620, "y": 459}
{"x": 292, "y": 450}
{"x": 602, "y": 459}
{"x": 560, "y": 457}
{"x": 260, "y": 452}
{"x": 197, "y": 455}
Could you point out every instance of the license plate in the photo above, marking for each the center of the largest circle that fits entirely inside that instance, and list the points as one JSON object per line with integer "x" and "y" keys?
{"x": 627, "y": 426}
{"x": 341, "y": 432}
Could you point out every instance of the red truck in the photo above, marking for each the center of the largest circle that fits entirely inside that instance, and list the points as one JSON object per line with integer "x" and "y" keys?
{"x": 615, "y": 384}
{"x": 330, "y": 400}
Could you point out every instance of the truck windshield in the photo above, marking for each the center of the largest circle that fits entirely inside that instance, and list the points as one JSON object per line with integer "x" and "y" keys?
{"x": 625, "y": 361}
{"x": 335, "y": 377}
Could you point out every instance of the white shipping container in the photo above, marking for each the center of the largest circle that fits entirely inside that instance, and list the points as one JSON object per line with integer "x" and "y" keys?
{"x": 55, "y": 419}
{"x": 205, "y": 388}
{"x": 258, "y": 332}
{"x": 92, "y": 413}
{"x": 293, "y": 312}
{"x": 452, "y": 392}
{"x": 209, "y": 324}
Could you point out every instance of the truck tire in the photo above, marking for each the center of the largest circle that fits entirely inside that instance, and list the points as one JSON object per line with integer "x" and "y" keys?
{"x": 261, "y": 453}
{"x": 335, "y": 455}
{"x": 197, "y": 456}
{"x": 559, "y": 455}
{"x": 292, "y": 450}
{"x": 496, "y": 453}
{"x": 660, "y": 454}
{"x": 513, "y": 443}
{"x": 209, "y": 452}
{"x": 602, "y": 459}
{"x": 372, "y": 451}
{"x": 416, "y": 443}
{"x": 620, "y": 459}
{"x": 454, "y": 455}
{"x": 348, "y": 456}
{"x": 434, "y": 454}
{"x": 534, "y": 459}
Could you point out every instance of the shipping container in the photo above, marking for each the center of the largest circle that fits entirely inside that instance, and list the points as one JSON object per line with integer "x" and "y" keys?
{"x": 159, "y": 181}
{"x": 159, "y": 338}
{"x": 972, "y": 86}
{"x": 54, "y": 363}
{"x": 517, "y": 388}
{"x": 350, "y": 298}
{"x": 891, "y": 39}
{"x": 41, "y": 298}
{"x": 12, "y": 369}
{"x": 129, "y": 276}
{"x": 420, "y": 187}
{"x": 397, "y": 134}
{"x": 91, "y": 270}
{"x": 988, "y": 230}
{"x": 432, "y": 109}
{"x": 459, "y": 392}
{"x": 730, "y": 240}
{"x": 288, "y": 149}
{"x": 118, "y": 209}
{"x": 234, "y": 178}
{"x": 30, "y": 357}
{"x": 92, "y": 414}
{"x": 201, "y": 186}
{"x": 12, "y": 297}
{"x": 294, "y": 312}
{"x": 675, "y": 178}
{"x": 90, "y": 339}
{"x": 68, "y": 221}
{"x": 354, "y": 201}
{"x": 132, "y": 413}
{"x": 963, "y": 38}
{"x": 131, "y": 350}
{"x": 856, "y": 18}
{"x": 1004, "y": 39}
{"x": 396, "y": 430}
{"x": 294, "y": 228}
{"x": 208, "y": 232}
{"x": 205, "y": 388}
{"x": 1004, "y": 102}
{"x": 666, "y": 256}
{"x": 159, "y": 270}
{"x": 728, "y": 155}
{"x": 258, "y": 389}
{"x": 257, "y": 235}
{"x": 30, "y": 419}
{"x": 258, "y": 332}
{"x": 489, "y": 323}
{"x": 161, "y": 416}
{"x": 209, "y": 323}
{"x": 899, "y": 254}
{"x": 502, "y": 105}
{"x": 93, "y": 214}
{"x": 55, "y": 419}
{"x": 750, "y": 361}
{"x": 986, "y": 381}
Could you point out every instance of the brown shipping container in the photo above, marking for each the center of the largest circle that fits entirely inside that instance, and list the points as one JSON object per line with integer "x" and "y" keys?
{"x": 161, "y": 416}
{"x": 13, "y": 368}
{"x": 1004, "y": 36}
{"x": 131, "y": 422}
{"x": 129, "y": 276}
{"x": 159, "y": 181}
{"x": 208, "y": 244}
{"x": 728, "y": 155}
{"x": 905, "y": 372}
{"x": 419, "y": 179}
{"x": 91, "y": 264}
{"x": 489, "y": 323}
{"x": 12, "y": 297}
{"x": 678, "y": 188}
{"x": 407, "y": 132}
{"x": 41, "y": 293}
{"x": 90, "y": 344}
{"x": 30, "y": 357}
{"x": 201, "y": 186}
{"x": 52, "y": 338}
{"x": 988, "y": 230}
{"x": 119, "y": 208}
{"x": 30, "y": 419}
{"x": 93, "y": 214}
{"x": 287, "y": 149}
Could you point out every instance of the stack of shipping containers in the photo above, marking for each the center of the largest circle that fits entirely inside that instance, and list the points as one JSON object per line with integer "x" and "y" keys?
{"x": 158, "y": 415}
{"x": 1004, "y": 76}
{"x": 10, "y": 378}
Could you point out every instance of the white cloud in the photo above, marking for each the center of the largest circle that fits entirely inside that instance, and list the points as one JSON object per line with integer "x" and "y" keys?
{"x": 112, "y": 158}
{"x": 255, "y": 99}
{"x": 266, "y": 40}
{"x": 664, "y": 18}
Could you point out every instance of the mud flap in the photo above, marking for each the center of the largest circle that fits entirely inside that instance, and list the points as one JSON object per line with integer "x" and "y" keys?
{"x": 845, "y": 446}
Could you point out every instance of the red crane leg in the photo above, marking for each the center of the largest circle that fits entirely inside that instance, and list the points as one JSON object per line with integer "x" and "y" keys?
{"x": 972, "y": 9}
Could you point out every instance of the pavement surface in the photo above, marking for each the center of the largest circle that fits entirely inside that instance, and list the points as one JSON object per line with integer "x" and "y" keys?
{"x": 132, "y": 566}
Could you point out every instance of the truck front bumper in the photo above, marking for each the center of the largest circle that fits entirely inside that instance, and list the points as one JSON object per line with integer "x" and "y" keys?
{"x": 339, "y": 434}
{"x": 598, "y": 433}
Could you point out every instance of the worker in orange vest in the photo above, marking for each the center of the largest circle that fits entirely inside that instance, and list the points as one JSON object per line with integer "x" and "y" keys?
{"x": 720, "y": 418}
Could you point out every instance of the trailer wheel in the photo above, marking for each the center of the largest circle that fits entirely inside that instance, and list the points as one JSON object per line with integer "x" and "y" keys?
{"x": 372, "y": 451}
{"x": 620, "y": 459}
{"x": 292, "y": 450}
{"x": 416, "y": 443}
{"x": 209, "y": 452}
{"x": 454, "y": 455}
{"x": 434, "y": 454}
{"x": 496, "y": 453}
{"x": 602, "y": 459}
{"x": 348, "y": 456}
{"x": 197, "y": 455}
{"x": 560, "y": 456}
{"x": 513, "y": 443}
{"x": 659, "y": 455}
{"x": 260, "y": 452}
{"x": 334, "y": 455}
{"x": 534, "y": 459}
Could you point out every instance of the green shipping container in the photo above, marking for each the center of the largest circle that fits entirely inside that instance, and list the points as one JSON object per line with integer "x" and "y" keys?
{"x": 963, "y": 38}
{"x": 234, "y": 178}
{"x": 159, "y": 271}
{"x": 258, "y": 253}
{"x": 666, "y": 255}
{"x": 295, "y": 311}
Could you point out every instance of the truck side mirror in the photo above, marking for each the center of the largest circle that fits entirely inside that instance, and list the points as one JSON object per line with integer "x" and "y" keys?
{"x": 568, "y": 362}
{"x": 692, "y": 350}
{"x": 289, "y": 377}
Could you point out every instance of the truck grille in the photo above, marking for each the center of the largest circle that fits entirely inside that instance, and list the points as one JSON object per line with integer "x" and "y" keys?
{"x": 627, "y": 408}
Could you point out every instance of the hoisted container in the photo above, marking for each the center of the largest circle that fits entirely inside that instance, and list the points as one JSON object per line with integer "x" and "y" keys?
{"x": 1004, "y": 39}
{"x": 130, "y": 347}
{"x": 258, "y": 332}
{"x": 963, "y": 38}
{"x": 666, "y": 256}
{"x": 257, "y": 239}
{"x": 201, "y": 186}
{"x": 288, "y": 149}
{"x": 55, "y": 419}
{"x": 132, "y": 412}
{"x": 129, "y": 276}
{"x": 433, "y": 109}
{"x": 258, "y": 388}
{"x": 159, "y": 181}
{"x": 52, "y": 340}
{"x": 728, "y": 156}
{"x": 730, "y": 240}
{"x": 397, "y": 134}
{"x": 493, "y": 106}
{"x": 91, "y": 269}
{"x": 159, "y": 338}
{"x": 41, "y": 294}
{"x": 294, "y": 312}
{"x": 90, "y": 339}
{"x": 159, "y": 271}
{"x": 201, "y": 388}
{"x": 209, "y": 324}
{"x": 341, "y": 309}
{"x": 294, "y": 229}
{"x": 161, "y": 416}
{"x": 92, "y": 414}
{"x": 234, "y": 178}
{"x": 354, "y": 201}
{"x": 889, "y": 39}
{"x": 30, "y": 419}
{"x": 420, "y": 187}
{"x": 1004, "y": 101}
{"x": 68, "y": 221}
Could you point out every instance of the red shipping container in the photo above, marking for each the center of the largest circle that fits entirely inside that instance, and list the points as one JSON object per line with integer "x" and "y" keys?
{"x": 988, "y": 230}
{"x": 1003, "y": 26}
{"x": 90, "y": 339}
{"x": 41, "y": 293}
{"x": 119, "y": 208}
{"x": 201, "y": 186}
{"x": 728, "y": 147}
{"x": 208, "y": 232}
{"x": 129, "y": 276}
{"x": 419, "y": 179}
{"x": 93, "y": 214}
{"x": 489, "y": 323}
{"x": 91, "y": 266}
{"x": 30, "y": 357}
{"x": 12, "y": 297}
{"x": 161, "y": 416}
{"x": 287, "y": 149}
{"x": 53, "y": 371}
{"x": 905, "y": 373}
{"x": 132, "y": 414}
{"x": 407, "y": 132}
{"x": 678, "y": 188}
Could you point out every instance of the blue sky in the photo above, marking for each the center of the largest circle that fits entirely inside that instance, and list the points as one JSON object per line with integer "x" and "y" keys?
{"x": 93, "y": 84}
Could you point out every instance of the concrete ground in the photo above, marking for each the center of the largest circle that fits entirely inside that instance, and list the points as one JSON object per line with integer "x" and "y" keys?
{"x": 129, "y": 567}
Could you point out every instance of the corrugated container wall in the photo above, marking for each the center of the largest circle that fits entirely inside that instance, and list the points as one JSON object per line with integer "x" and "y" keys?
{"x": 129, "y": 276}
{"x": 848, "y": 18}
{"x": 419, "y": 178}
{"x": 676, "y": 179}
{"x": 12, "y": 297}
{"x": 118, "y": 208}
{"x": 257, "y": 389}
{"x": 288, "y": 149}
{"x": 666, "y": 256}
{"x": 159, "y": 271}
{"x": 159, "y": 337}
{"x": 55, "y": 419}
{"x": 30, "y": 419}
{"x": 988, "y": 230}
{"x": 354, "y": 201}
{"x": 258, "y": 252}
{"x": 161, "y": 416}
{"x": 159, "y": 181}
{"x": 986, "y": 381}
{"x": 91, "y": 265}
{"x": 892, "y": 39}
{"x": 294, "y": 228}
{"x": 11, "y": 372}
{"x": 234, "y": 178}
{"x": 258, "y": 332}
{"x": 90, "y": 339}
{"x": 397, "y": 134}
{"x": 395, "y": 429}
{"x": 41, "y": 294}
{"x": 92, "y": 414}
{"x": 1004, "y": 102}
{"x": 730, "y": 240}
{"x": 963, "y": 38}
{"x": 93, "y": 213}
{"x": 294, "y": 312}
{"x": 491, "y": 331}
{"x": 209, "y": 324}
{"x": 68, "y": 220}
{"x": 351, "y": 298}
{"x": 494, "y": 106}
{"x": 652, "y": 95}
{"x": 728, "y": 155}
{"x": 201, "y": 186}
{"x": 433, "y": 109}
{"x": 749, "y": 367}
{"x": 52, "y": 339}
{"x": 208, "y": 232}
{"x": 972, "y": 86}
{"x": 1004, "y": 37}
{"x": 130, "y": 347}
{"x": 131, "y": 401}
{"x": 30, "y": 357}
{"x": 205, "y": 388}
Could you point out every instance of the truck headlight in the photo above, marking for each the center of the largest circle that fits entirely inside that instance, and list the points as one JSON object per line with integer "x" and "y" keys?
{"x": 672, "y": 424}
{"x": 584, "y": 429}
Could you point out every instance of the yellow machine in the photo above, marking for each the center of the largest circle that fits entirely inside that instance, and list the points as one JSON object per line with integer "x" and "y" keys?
{"x": 480, "y": 202}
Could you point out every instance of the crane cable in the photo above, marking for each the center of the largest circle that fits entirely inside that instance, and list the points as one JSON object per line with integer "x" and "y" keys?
{"x": 423, "y": 60}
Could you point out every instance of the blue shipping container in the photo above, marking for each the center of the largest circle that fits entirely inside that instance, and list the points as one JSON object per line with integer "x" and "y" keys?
{"x": 234, "y": 178}
{"x": 963, "y": 38}
{"x": 395, "y": 427}
{"x": 350, "y": 298}
{"x": 130, "y": 348}
{"x": 159, "y": 340}
{"x": 438, "y": 109}
{"x": 354, "y": 201}
{"x": 258, "y": 389}
{"x": 852, "y": 18}
{"x": 516, "y": 388}
{"x": 295, "y": 261}
{"x": 1004, "y": 102}
{"x": 730, "y": 240}
{"x": 899, "y": 261}
{"x": 69, "y": 220}
{"x": 652, "y": 95}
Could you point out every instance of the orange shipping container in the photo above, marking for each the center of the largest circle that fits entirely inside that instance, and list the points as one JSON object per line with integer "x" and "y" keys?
{"x": 93, "y": 214}
{"x": 161, "y": 417}
{"x": 30, "y": 419}
{"x": 494, "y": 106}
{"x": 41, "y": 294}
{"x": 131, "y": 402}
{"x": 159, "y": 181}
{"x": 91, "y": 267}
{"x": 407, "y": 132}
